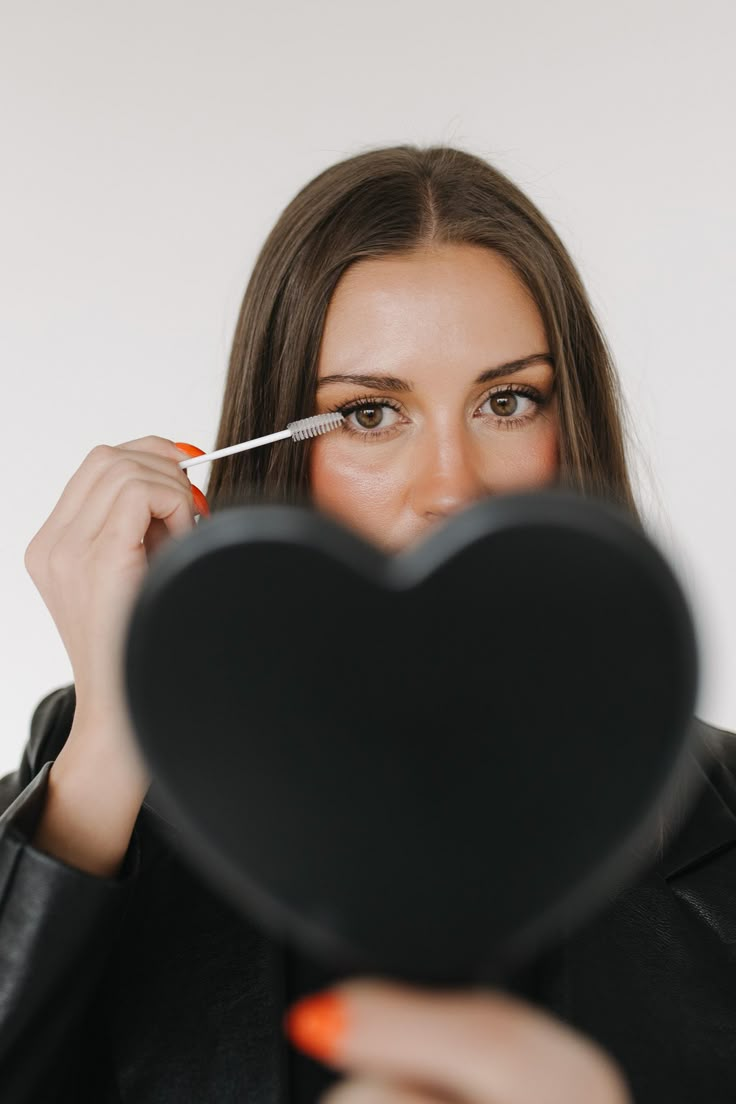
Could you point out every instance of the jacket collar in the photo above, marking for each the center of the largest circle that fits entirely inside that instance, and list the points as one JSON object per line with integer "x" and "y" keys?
{"x": 710, "y": 826}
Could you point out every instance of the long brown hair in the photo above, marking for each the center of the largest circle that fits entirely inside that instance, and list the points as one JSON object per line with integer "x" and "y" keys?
{"x": 395, "y": 200}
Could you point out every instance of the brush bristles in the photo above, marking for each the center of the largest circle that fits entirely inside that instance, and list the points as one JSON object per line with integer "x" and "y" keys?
{"x": 314, "y": 426}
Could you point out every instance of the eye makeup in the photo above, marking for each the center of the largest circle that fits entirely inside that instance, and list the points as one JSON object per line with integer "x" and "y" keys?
{"x": 503, "y": 422}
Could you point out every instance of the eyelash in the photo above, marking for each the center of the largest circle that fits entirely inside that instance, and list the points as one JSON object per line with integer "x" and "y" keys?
{"x": 370, "y": 401}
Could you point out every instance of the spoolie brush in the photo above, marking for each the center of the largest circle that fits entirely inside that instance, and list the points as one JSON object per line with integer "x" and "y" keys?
{"x": 298, "y": 431}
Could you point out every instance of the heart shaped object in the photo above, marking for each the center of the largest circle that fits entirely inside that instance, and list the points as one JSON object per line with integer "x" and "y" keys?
{"x": 420, "y": 765}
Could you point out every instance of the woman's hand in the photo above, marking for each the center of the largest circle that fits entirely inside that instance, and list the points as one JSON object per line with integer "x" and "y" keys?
{"x": 90, "y": 556}
{"x": 88, "y": 561}
{"x": 406, "y": 1045}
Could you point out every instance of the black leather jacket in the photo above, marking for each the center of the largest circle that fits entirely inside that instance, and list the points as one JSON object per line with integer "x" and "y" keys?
{"x": 149, "y": 988}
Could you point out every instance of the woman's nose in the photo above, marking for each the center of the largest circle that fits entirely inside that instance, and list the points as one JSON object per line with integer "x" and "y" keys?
{"x": 447, "y": 476}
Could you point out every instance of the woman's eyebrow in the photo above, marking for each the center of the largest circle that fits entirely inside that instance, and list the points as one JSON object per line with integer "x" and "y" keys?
{"x": 394, "y": 383}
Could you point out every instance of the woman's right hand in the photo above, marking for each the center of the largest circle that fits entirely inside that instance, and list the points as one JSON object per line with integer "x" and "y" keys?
{"x": 88, "y": 561}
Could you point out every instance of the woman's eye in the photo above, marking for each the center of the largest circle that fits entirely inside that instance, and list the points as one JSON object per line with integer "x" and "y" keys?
{"x": 370, "y": 416}
{"x": 505, "y": 404}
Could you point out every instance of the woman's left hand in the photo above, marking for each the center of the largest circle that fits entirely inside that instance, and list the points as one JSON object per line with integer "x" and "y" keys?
{"x": 407, "y": 1045}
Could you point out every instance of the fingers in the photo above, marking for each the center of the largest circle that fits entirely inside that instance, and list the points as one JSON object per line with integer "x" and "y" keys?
{"x": 482, "y": 1046}
{"x": 158, "y": 454}
{"x": 372, "y": 1090}
{"x": 129, "y": 482}
{"x": 125, "y": 522}
{"x": 156, "y": 536}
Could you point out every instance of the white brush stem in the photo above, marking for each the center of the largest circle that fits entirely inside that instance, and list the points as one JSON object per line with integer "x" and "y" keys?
{"x": 300, "y": 431}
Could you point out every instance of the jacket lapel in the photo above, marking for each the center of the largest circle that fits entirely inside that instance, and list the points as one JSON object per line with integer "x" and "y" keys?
{"x": 710, "y": 825}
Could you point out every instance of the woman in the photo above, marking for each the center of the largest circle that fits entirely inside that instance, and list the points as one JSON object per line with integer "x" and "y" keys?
{"x": 420, "y": 293}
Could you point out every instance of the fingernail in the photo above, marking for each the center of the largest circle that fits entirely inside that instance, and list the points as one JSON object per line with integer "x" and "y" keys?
{"x": 200, "y": 501}
{"x": 190, "y": 450}
{"x": 316, "y": 1024}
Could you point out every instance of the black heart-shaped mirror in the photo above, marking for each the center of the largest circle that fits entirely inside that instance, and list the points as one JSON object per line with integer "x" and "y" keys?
{"x": 422, "y": 764}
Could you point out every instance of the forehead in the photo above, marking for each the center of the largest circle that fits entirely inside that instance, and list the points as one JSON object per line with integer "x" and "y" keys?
{"x": 462, "y": 302}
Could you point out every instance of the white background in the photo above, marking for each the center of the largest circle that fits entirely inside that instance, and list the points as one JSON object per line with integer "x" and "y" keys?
{"x": 147, "y": 149}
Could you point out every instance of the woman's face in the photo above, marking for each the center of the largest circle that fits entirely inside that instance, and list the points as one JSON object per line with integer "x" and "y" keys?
{"x": 439, "y": 362}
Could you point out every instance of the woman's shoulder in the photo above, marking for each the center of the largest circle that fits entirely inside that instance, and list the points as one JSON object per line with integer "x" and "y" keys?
{"x": 51, "y": 722}
{"x": 705, "y": 825}
{"x": 719, "y": 759}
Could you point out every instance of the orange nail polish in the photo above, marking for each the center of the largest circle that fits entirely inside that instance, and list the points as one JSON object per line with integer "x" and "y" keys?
{"x": 316, "y": 1024}
{"x": 190, "y": 450}
{"x": 200, "y": 502}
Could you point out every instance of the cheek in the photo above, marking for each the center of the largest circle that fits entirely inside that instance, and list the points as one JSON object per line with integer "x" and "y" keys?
{"x": 544, "y": 454}
{"x": 362, "y": 490}
{"x": 522, "y": 460}
{"x": 549, "y": 444}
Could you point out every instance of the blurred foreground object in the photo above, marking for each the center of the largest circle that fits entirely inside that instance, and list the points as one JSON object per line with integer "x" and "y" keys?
{"x": 423, "y": 765}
